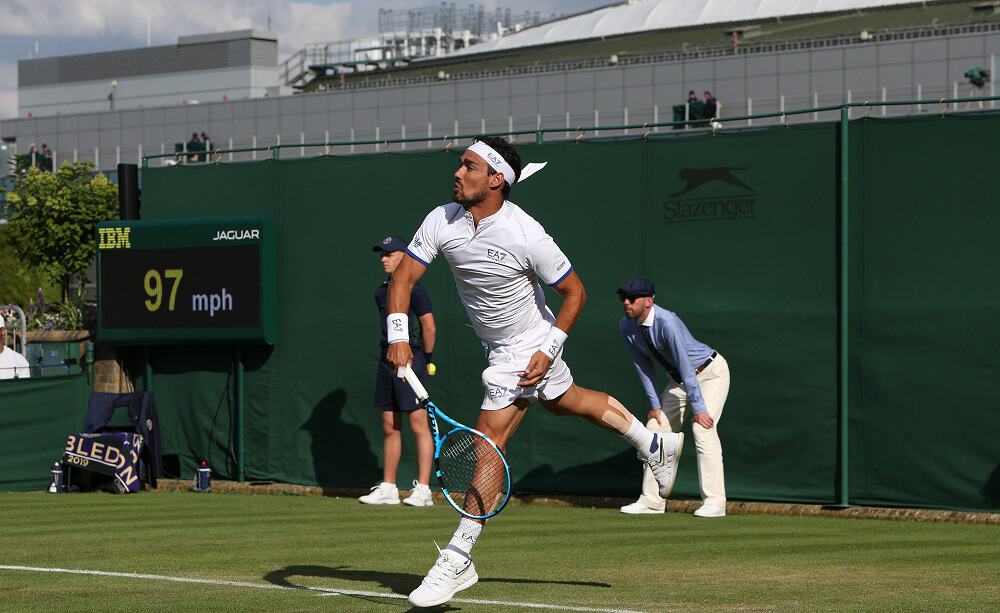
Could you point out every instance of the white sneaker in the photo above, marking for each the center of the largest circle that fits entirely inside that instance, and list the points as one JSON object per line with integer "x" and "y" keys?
{"x": 664, "y": 460}
{"x": 420, "y": 496}
{"x": 451, "y": 574}
{"x": 383, "y": 493}
{"x": 639, "y": 508}
{"x": 710, "y": 510}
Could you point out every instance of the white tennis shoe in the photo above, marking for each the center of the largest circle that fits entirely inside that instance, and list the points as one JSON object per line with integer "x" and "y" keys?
{"x": 664, "y": 460}
{"x": 640, "y": 508}
{"x": 420, "y": 496}
{"x": 710, "y": 510}
{"x": 451, "y": 574}
{"x": 383, "y": 493}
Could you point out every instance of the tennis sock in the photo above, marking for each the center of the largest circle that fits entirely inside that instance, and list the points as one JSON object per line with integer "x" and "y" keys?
{"x": 644, "y": 441}
{"x": 465, "y": 537}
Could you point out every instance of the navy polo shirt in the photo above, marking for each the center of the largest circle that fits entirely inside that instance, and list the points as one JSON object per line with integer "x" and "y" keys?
{"x": 420, "y": 304}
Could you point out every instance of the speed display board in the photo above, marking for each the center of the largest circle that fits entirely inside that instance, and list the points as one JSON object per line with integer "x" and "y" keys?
{"x": 189, "y": 280}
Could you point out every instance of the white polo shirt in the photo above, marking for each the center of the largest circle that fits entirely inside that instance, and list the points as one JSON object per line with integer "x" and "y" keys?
{"x": 496, "y": 266}
{"x": 13, "y": 365}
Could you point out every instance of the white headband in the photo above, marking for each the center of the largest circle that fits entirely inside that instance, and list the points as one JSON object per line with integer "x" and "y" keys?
{"x": 497, "y": 163}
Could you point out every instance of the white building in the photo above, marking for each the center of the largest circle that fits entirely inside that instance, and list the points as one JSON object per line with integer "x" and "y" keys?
{"x": 198, "y": 69}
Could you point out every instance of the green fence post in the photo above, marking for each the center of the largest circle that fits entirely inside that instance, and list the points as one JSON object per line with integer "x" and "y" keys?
{"x": 240, "y": 446}
{"x": 842, "y": 331}
{"x": 539, "y": 137}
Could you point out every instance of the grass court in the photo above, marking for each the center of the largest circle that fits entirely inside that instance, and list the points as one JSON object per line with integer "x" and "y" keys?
{"x": 263, "y": 552}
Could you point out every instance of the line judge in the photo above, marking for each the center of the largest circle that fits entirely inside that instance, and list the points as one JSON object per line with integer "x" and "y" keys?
{"x": 697, "y": 384}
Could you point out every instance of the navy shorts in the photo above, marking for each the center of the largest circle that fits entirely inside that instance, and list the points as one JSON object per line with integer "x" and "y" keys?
{"x": 394, "y": 393}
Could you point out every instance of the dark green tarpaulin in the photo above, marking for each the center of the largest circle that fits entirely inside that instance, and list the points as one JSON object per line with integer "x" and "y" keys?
{"x": 36, "y": 416}
{"x": 925, "y": 427}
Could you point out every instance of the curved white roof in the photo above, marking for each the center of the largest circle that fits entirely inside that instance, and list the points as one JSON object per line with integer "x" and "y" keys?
{"x": 644, "y": 15}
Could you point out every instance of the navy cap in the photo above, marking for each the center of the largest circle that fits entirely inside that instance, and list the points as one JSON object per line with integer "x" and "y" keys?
{"x": 391, "y": 243}
{"x": 641, "y": 287}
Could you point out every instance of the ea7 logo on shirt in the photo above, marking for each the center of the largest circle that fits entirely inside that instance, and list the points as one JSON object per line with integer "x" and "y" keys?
{"x": 496, "y": 255}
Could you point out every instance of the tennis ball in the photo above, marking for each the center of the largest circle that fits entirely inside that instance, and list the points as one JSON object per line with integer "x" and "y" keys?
{"x": 432, "y": 369}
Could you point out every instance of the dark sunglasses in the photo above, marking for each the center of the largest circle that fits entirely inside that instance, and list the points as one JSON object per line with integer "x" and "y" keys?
{"x": 629, "y": 297}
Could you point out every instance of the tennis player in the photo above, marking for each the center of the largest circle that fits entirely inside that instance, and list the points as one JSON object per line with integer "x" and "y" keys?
{"x": 498, "y": 254}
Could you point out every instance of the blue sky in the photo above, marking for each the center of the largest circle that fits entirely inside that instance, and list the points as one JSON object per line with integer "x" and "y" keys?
{"x": 65, "y": 27}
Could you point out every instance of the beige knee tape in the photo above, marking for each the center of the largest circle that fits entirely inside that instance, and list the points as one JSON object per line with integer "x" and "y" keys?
{"x": 617, "y": 416}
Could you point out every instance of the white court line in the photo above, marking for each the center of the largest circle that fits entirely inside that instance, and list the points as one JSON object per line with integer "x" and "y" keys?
{"x": 324, "y": 591}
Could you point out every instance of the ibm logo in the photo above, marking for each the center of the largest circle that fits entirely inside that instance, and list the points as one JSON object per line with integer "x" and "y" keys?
{"x": 114, "y": 238}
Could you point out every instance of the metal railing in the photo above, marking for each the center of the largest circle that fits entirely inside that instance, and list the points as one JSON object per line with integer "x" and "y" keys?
{"x": 676, "y": 55}
{"x": 23, "y": 327}
{"x": 713, "y": 125}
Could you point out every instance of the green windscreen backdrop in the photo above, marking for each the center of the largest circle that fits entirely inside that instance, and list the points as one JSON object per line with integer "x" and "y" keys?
{"x": 36, "y": 416}
{"x": 740, "y": 233}
{"x": 925, "y": 427}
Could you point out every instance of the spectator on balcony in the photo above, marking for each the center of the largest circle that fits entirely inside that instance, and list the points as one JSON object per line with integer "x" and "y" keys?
{"x": 711, "y": 105}
{"x": 12, "y": 364}
{"x": 693, "y": 98}
{"x": 45, "y": 162}
{"x": 193, "y": 147}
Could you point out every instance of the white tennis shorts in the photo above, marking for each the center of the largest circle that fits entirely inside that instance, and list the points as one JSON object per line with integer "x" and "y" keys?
{"x": 509, "y": 357}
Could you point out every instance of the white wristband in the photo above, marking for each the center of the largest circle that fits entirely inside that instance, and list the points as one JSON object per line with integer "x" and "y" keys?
{"x": 553, "y": 343}
{"x": 397, "y": 328}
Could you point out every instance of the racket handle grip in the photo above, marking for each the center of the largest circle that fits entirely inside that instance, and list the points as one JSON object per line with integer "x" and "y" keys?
{"x": 411, "y": 378}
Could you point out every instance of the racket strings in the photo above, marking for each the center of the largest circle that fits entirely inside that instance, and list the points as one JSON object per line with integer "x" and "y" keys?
{"x": 473, "y": 471}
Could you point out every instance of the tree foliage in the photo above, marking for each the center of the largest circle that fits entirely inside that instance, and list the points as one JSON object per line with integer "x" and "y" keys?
{"x": 52, "y": 218}
{"x": 19, "y": 284}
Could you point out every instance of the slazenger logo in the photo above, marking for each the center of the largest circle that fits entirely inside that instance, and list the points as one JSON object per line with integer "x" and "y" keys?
{"x": 235, "y": 235}
{"x": 708, "y": 207}
{"x": 496, "y": 255}
{"x": 696, "y": 177}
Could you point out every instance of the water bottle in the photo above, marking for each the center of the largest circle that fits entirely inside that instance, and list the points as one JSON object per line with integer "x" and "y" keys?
{"x": 203, "y": 478}
{"x": 56, "y": 486}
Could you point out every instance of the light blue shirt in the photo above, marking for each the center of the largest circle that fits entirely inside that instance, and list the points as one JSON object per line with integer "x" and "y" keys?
{"x": 674, "y": 342}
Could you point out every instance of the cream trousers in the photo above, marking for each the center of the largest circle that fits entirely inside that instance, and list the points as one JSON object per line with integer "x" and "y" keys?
{"x": 714, "y": 384}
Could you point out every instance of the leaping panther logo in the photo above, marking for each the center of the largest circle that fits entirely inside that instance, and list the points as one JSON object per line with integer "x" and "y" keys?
{"x": 696, "y": 177}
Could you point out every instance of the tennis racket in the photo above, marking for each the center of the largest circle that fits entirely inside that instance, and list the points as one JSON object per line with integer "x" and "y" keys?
{"x": 471, "y": 469}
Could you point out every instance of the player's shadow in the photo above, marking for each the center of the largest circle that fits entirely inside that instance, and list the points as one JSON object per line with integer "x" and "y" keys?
{"x": 991, "y": 489}
{"x": 398, "y": 583}
{"x": 341, "y": 454}
{"x": 619, "y": 469}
